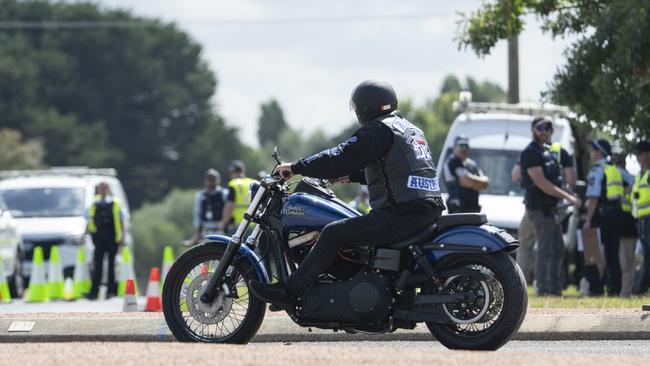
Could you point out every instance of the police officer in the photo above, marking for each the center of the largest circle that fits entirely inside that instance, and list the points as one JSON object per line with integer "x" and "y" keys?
{"x": 401, "y": 177}
{"x": 361, "y": 202}
{"x": 238, "y": 199}
{"x": 464, "y": 179}
{"x": 209, "y": 204}
{"x": 641, "y": 209}
{"x": 526, "y": 231}
{"x": 105, "y": 224}
{"x": 604, "y": 195}
{"x": 542, "y": 181}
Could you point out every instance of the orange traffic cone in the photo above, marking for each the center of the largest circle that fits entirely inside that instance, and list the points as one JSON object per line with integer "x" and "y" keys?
{"x": 153, "y": 291}
{"x": 130, "y": 302}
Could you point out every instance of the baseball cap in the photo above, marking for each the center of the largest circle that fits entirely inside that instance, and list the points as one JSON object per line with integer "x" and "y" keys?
{"x": 461, "y": 140}
{"x": 642, "y": 146}
{"x": 601, "y": 145}
{"x": 236, "y": 166}
{"x": 212, "y": 173}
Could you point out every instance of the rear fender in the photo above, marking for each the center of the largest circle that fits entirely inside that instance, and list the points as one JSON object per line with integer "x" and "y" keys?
{"x": 244, "y": 252}
{"x": 484, "y": 239}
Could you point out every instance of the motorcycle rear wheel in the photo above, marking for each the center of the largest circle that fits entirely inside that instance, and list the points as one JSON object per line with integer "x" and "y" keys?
{"x": 492, "y": 323}
{"x": 234, "y": 316}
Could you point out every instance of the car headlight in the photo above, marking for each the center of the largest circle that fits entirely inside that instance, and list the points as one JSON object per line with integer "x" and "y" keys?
{"x": 252, "y": 189}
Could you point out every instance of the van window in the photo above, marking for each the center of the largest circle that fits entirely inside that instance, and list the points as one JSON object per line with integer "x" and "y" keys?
{"x": 496, "y": 165}
{"x": 44, "y": 202}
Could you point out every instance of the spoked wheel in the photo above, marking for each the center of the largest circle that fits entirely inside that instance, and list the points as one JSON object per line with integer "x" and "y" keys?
{"x": 233, "y": 317}
{"x": 497, "y": 308}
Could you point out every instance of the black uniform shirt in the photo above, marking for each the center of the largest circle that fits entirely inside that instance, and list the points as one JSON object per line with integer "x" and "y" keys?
{"x": 536, "y": 155}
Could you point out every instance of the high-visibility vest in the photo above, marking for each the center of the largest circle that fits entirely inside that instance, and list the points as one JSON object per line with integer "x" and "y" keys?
{"x": 626, "y": 203}
{"x": 117, "y": 220}
{"x": 556, "y": 150}
{"x": 361, "y": 206}
{"x": 242, "y": 201}
{"x": 614, "y": 178}
{"x": 641, "y": 196}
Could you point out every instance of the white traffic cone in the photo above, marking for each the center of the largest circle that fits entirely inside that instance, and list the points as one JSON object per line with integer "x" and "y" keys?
{"x": 130, "y": 301}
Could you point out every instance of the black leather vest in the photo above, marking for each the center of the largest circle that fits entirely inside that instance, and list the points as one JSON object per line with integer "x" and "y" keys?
{"x": 212, "y": 206}
{"x": 407, "y": 171}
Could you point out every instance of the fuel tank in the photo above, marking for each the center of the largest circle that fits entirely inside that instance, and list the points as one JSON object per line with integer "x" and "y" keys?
{"x": 303, "y": 211}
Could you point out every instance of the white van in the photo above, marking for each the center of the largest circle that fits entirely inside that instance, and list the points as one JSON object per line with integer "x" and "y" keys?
{"x": 498, "y": 133}
{"x": 50, "y": 208}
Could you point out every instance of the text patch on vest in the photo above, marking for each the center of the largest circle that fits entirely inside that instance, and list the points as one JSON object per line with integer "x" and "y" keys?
{"x": 423, "y": 183}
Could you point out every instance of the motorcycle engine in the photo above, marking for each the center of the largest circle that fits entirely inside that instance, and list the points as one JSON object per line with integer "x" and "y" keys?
{"x": 364, "y": 299}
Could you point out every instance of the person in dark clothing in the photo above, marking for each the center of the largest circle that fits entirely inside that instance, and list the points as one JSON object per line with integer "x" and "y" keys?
{"x": 105, "y": 224}
{"x": 209, "y": 206}
{"x": 542, "y": 181}
{"x": 401, "y": 177}
{"x": 464, "y": 179}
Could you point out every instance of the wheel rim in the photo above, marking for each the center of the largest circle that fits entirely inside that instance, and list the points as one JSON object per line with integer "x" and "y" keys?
{"x": 479, "y": 316}
{"x": 224, "y": 316}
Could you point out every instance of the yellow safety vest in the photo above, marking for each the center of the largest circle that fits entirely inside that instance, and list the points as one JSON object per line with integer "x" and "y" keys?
{"x": 641, "y": 196}
{"x": 626, "y": 203}
{"x": 240, "y": 186}
{"x": 556, "y": 149}
{"x": 614, "y": 189}
{"x": 116, "y": 217}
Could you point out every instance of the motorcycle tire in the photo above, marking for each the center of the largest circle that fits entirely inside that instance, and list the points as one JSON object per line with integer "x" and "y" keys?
{"x": 515, "y": 303}
{"x": 176, "y": 278}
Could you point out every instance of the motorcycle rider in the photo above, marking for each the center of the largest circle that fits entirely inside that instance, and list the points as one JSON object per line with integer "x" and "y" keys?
{"x": 401, "y": 177}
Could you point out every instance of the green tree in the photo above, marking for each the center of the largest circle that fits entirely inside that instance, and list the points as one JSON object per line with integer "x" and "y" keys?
{"x": 136, "y": 98}
{"x": 271, "y": 123}
{"x": 15, "y": 153}
{"x": 606, "y": 76}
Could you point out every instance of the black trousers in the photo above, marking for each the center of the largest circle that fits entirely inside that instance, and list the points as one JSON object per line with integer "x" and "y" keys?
{"x": 380, "y": 226}
{"x": 104, "y": 245}
{"x": 611, "y": 225}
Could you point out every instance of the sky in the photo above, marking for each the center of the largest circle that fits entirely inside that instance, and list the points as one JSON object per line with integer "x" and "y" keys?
{"x": 310, "y": 55}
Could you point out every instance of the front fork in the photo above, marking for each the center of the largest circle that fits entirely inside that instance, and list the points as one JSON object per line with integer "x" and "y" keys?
{"x": 217, "y": 278}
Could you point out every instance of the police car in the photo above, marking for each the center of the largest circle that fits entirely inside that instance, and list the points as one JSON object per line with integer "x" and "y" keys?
{"x": 498, "y": 132}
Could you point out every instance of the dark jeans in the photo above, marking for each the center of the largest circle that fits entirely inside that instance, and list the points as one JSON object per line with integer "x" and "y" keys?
{"x": 550, "y": 249}
{"x": 643, "y": 226}
{"x": 380, "y": 226}
{"x": 104, "y": 244}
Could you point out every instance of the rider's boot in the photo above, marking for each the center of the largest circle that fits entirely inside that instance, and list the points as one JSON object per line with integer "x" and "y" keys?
{"x": 277, "y": 293}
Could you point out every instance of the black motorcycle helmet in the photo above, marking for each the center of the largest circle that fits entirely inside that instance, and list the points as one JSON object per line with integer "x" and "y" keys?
{"x": 371, "y": 99}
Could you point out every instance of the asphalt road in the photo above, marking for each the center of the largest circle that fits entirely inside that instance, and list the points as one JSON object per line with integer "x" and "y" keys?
{"x": 629, "y": 353}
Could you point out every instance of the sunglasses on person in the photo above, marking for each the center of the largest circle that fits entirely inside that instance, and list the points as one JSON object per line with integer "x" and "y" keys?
{"x": 546, "y": 127}
{"x": 463, "y": 146}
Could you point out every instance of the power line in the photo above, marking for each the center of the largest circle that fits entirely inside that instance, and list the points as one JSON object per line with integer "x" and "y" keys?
{"x": 99, "y": 24}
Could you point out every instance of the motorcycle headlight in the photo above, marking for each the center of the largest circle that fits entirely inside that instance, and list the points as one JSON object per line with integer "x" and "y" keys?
{"x": 252, "y": 189}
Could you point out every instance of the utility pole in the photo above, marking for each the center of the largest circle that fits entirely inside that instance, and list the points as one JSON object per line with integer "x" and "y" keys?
{"x": 513, "y": 69}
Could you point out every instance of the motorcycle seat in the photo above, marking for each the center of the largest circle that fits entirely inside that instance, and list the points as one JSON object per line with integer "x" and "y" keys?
{"x": 420, "y": 237}
{"x": 451, "y": 220}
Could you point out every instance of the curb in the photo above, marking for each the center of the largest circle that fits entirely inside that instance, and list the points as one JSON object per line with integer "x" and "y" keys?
{"x": 282, "y": 329}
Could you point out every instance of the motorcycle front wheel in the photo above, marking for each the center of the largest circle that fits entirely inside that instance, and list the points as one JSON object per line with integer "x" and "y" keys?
{"x": 233, "y": 317}
{"x": 498, "y": 308}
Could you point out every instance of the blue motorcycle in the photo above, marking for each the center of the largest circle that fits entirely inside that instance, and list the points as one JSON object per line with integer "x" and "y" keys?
{"x": 456, "y": 276}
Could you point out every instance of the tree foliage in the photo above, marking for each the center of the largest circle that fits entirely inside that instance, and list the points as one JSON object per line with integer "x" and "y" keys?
{"x": 607, "y": 74}
{"x": 15, "y": 153}
{"x": 135, "y": 98}
{"x": 271, "y": 123}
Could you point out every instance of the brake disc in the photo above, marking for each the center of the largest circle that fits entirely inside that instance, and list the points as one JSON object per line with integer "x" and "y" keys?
{"x": 207, "y": 313}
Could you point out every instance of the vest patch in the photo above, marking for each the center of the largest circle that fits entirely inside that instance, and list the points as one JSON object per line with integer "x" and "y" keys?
{"x": 400, "y": 125}
{"x": 420, "y": 148}
{"x": 423, "y": 183}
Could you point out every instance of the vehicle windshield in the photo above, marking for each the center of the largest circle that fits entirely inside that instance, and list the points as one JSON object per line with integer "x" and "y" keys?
{"x": 496, "y": 165}
{"x": 44, "y": 202}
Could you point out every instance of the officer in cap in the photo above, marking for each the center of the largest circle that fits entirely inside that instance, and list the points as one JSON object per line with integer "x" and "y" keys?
{"x": 464, "y": 179}
{"x": 605, "y": 190}
{"x": 238, "y": 199}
